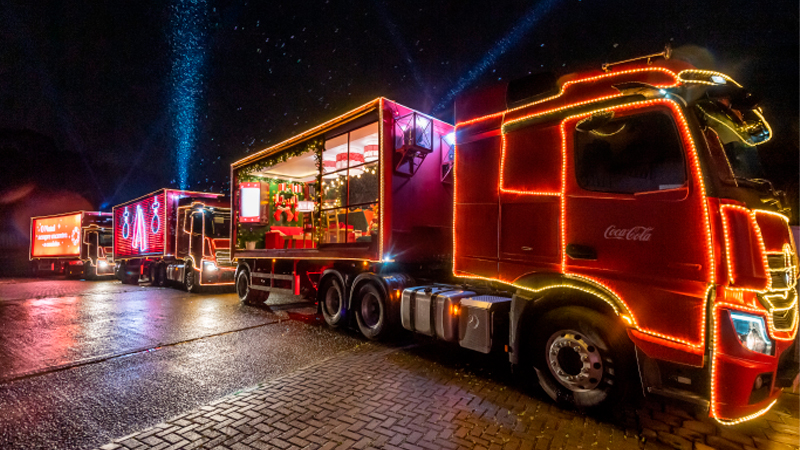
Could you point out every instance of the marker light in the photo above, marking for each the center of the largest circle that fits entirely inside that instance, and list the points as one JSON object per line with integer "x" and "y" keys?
{"x": 752, "y": 332}
{"x": 718, "y": 79}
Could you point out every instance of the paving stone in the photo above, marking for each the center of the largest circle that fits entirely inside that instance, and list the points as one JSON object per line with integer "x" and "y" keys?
{"x": 735, "y": 436}
{"x": 722, "y": 443}
{"x": 389, "y": 398}
{"x": 791, "y": 439}
{"x": 784, "y": 428}
{"x": 674, "y": 441}
{"x": 700, "y": 427}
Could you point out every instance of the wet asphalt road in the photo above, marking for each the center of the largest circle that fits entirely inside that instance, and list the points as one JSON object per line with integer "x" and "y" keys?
{"x": 84, "y": 362}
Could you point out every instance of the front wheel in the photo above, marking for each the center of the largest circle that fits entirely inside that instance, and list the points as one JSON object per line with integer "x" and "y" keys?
{"x": 372, "y": 314}
{"x": 246, "y": 294}
{"x": 583, "y": 358}
{"x": 190, "y": 279}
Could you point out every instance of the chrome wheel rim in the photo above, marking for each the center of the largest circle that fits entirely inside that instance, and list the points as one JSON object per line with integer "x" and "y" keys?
{"x": 574, "y": 360}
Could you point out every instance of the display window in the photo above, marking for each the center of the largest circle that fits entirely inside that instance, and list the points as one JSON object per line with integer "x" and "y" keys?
{"x": 319, "y": 192}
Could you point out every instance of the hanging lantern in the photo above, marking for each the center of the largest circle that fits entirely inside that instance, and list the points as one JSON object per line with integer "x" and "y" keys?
{"x": 370, "y": 153}
{"x": 329, "y": 164}
{"x": 353, "y": 158}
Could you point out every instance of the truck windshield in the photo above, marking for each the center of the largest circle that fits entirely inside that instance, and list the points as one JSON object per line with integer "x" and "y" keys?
{"x": 739, "y": 133}
{"x": 218, "y": 225}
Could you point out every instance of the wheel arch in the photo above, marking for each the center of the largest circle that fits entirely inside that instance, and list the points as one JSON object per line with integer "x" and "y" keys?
{"x": 537, "y": 295}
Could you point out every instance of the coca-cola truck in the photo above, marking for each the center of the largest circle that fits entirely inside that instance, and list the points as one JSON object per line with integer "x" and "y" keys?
{"x": 76, "y": 244}
{"x": 174, "y": 237}
{"x": 605, "y": 229}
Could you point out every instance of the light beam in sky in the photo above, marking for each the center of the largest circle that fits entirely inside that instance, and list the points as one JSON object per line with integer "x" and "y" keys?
{"x": 189, "y": 37}
{"x": 513, "y": 37}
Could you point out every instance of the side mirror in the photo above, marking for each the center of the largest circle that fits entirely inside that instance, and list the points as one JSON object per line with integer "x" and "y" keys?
{"x": 595, "y": 121}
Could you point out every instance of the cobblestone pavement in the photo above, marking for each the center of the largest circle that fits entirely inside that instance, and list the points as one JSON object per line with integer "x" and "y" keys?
{"x": 403, "y": 398}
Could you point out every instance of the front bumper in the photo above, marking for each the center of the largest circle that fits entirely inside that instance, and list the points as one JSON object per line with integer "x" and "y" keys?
{"x": 745, "y": 384}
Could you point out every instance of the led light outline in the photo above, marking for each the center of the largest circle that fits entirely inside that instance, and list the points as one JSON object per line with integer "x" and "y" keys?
{"x": 165, "y": 191}
{"x": 307, "y": 133}
{"x": 155, "y": 229}
{"x": 569, "y": 83}
{"x": 696, "y": 173}
{"x": 713, "y": 400}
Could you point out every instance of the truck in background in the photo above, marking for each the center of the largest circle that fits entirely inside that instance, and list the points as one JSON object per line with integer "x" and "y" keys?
{"x": 77, "y": 244}
{"x": 174, "y": 237}
{"x": 601, "y": 228}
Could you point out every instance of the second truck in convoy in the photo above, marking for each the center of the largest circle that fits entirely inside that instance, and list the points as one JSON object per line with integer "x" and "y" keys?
{"x": 174, "y": 236}
{"x": 599, "y": 228}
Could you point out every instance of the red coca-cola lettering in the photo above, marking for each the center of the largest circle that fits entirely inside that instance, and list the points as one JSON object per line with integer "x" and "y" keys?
{"x": 629, "y": 234}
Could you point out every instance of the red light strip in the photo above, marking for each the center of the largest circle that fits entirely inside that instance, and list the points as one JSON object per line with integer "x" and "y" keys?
{"x": 563, "y": 88}
{"x": 714, "y": 384}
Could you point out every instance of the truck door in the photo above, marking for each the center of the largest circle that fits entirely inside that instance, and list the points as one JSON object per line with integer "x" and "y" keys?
{"x": 91, "y": 245}
{"x": 634, "y": 216}
{"x": 196, "y": 239}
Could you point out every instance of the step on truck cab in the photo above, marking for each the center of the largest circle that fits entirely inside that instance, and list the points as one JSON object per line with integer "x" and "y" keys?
{"x": 174, "y": 236}
{"x": 77, "y": 244}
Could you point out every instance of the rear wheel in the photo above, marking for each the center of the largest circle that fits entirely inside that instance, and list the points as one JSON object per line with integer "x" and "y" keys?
{"x": 334, "y": 308}
{"x": 246, "y": 294}
{"x": 371, "y": 313}
{"x": 158, "y": 275}
{"x": 583, "y": 358}
{"x": 128, "y": 278}
{"x": 190, "y": 279}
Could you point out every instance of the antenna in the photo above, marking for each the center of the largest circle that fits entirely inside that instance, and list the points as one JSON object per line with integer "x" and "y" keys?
{"x": 665, "y": 54}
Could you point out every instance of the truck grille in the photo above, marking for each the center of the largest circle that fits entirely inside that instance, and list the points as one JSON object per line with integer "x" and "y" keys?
{"x": 223, "y": 256}
{"x": 781, "y": 300}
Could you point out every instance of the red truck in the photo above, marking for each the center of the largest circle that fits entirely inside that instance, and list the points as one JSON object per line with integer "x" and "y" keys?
{"x": 75, "y": 243}
{"x": 602, "y": 228}
{"x": 174, "y": 236}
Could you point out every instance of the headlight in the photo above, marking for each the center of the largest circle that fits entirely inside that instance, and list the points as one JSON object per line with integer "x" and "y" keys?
{"x": 752, "y": 332}
{"x": 102, "y": 264}
{"x": 210, "y": 266}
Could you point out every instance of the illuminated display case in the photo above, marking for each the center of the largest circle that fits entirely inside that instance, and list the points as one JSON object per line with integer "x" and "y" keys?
{"x": 355, "y": 185}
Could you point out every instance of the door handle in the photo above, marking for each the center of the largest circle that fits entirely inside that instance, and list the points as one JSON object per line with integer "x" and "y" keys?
{"x": 526, "y": 248}
{"x": 577, "y": 251}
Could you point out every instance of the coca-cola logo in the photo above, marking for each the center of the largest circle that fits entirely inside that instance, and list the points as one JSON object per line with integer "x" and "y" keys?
{"x": 629, "y": 234}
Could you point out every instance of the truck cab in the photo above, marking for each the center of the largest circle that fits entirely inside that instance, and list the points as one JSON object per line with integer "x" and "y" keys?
{"x": 202, "y": 252}
{"x": 628, "y": 193}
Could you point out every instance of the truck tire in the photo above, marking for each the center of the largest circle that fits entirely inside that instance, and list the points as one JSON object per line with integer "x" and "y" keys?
{"x": 89, "y": 272}
{"x": 334, "y": 307}
{"x": 246, "y": 295}
{"x": 190, "y": 281}
{"x": 158, "y": 275}
{"x": 583, "y": 359}
{"x": 372, "y": 313}
{"x": 128, "y": 278}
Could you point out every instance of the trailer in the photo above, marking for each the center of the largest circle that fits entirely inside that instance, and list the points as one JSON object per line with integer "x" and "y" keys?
{"x": 76, "y": 244}
{"x": 599, "y": 228}
{"x": 174, "y": 237}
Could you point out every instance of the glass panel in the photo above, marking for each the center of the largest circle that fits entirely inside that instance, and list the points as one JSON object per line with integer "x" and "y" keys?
{"x": 334, "y": 191}
{"x": 638, "y": 153}
{"x": 365, "y": 186}
{"x": 334, "y": 226}
{"x": 218, "y": 225}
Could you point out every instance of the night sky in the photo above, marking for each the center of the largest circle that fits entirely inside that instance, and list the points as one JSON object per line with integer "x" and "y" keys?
{"x": 101, "y": 101}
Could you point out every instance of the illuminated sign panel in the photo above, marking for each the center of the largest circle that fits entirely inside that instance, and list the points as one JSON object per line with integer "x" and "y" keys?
{"x": 139, "y": 227}
{"x": 251, "y": 202}
{"x": 56, "y": 236}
